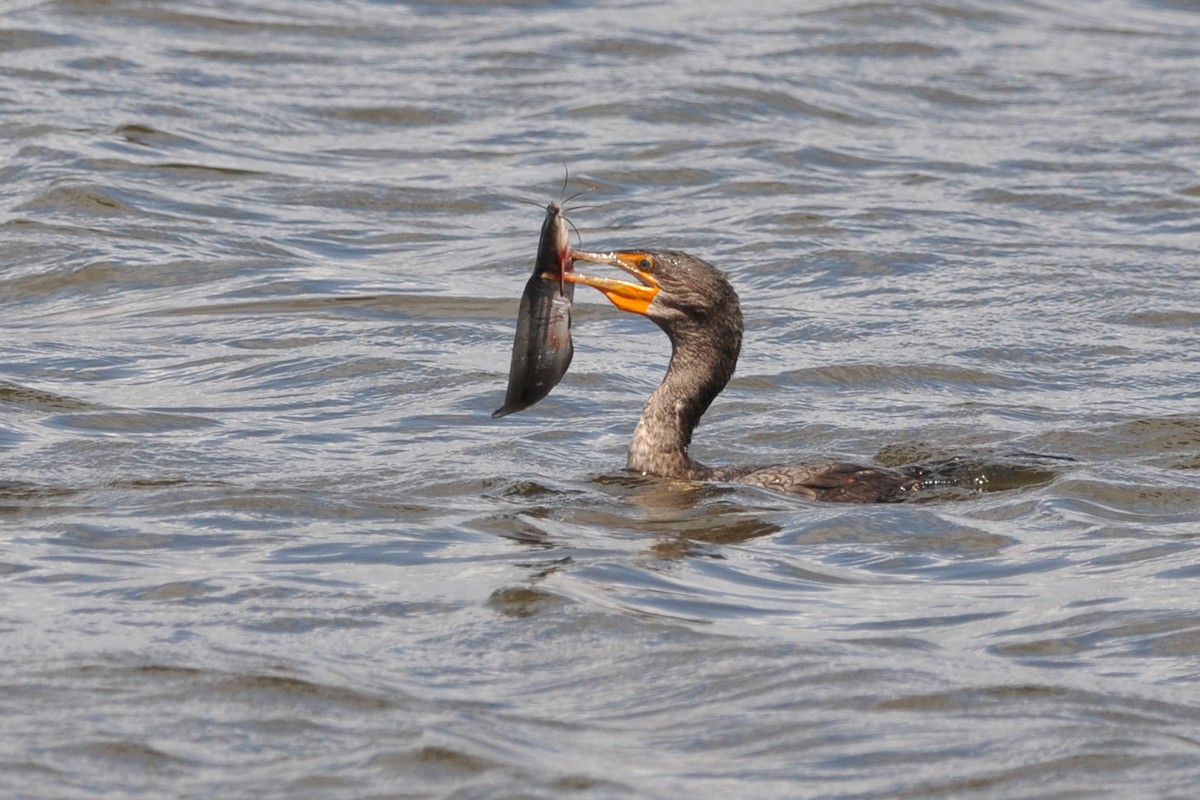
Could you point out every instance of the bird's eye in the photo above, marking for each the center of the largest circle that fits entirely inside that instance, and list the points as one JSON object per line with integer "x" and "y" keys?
{"x": 645, "y": 265}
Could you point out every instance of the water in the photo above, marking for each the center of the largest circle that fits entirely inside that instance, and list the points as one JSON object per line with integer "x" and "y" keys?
{"x": 260, "y": 537}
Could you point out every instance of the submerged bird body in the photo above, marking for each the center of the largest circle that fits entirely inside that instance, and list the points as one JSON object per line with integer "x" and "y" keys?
{"x": 698, "y": 309}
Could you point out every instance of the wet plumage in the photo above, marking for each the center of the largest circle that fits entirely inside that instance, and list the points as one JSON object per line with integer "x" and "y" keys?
{"x": 698, "y": 309}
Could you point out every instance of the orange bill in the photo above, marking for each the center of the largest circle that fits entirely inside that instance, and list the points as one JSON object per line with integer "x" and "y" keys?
{"x": 625, "y": 295}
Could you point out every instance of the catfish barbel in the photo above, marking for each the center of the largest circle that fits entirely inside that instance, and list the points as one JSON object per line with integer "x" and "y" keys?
{"x": 542, "y": 347}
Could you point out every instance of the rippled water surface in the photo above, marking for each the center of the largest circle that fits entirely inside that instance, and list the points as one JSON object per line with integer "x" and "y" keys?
{"x": 261, "y": 538}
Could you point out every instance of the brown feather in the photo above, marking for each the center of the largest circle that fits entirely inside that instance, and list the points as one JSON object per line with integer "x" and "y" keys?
{"x": 699, "y": 311}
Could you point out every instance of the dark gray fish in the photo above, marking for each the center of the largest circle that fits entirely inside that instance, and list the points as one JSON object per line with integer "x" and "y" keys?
{"x": 542, "y": 347}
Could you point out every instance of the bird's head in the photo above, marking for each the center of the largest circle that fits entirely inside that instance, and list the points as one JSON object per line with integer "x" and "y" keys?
{"x": 674, "y": 289}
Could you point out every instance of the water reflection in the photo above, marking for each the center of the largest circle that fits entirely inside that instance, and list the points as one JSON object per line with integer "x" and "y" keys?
{"x": 260, "y": 536}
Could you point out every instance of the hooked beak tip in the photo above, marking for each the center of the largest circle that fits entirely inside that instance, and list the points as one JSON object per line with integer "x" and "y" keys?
{"x": 625, "y": 295}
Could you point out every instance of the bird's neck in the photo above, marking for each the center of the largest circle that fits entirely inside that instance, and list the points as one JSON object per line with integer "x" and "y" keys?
{"x": 702, "y": 362}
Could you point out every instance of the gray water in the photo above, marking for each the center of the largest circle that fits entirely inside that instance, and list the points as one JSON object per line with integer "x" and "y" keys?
{"x": 259, "y": 537}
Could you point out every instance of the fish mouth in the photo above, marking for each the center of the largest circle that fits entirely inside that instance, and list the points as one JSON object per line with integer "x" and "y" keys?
{"x": 625, "y": 295}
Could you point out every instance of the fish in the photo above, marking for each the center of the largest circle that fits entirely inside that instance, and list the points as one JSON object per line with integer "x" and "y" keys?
{"x": 542, "y": 347}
